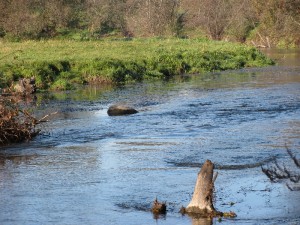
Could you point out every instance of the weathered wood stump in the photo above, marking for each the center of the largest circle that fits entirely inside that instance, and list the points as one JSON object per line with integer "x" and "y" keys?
{"x": 120, "y": 110}
{"x": 202, "y": 200}
{"x": 201, "y": 204}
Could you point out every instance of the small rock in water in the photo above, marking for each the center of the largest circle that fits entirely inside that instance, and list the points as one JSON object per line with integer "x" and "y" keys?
{"x": 120, "y": 110}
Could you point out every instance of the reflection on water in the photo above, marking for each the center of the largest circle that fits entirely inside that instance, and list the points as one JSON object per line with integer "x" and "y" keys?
{"x": 88, "y": 168}
{"x": 15, "y": 159}
{"x": 284, "y": 57}
{"x": 202, "y": 221}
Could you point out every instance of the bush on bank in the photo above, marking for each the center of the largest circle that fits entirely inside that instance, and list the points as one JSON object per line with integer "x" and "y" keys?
{"x": 16, "y": 123}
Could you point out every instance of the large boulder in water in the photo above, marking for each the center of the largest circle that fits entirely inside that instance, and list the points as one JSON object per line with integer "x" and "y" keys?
{"x": 120, "y": 110}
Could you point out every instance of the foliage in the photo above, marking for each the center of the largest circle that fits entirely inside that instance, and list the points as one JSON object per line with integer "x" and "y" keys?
{"x": 276, "y": 22}
{"x": 60, "y": 64}
{"x": 263, "y": 23}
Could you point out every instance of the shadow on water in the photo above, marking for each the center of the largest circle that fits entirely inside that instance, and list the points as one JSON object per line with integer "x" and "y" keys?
{"x": 201, "y": 221}
{"x": 226, "y": 167}
{"x": 15, "y": 159}
{"x": 89, "y": 168}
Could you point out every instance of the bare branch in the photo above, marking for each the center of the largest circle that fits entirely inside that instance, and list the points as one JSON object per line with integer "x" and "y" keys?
{"x": 297, "y": 163}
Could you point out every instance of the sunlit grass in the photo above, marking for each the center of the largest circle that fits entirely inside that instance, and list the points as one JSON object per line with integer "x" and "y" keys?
{"x": 65, "y": 62}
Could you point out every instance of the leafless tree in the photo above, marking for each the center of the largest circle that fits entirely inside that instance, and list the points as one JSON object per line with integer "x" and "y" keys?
{"x": 154, "y": 17}
{"x": 216, "y": 17}
{"x": 277, "y": 19}
{"x": 105, "y": 16}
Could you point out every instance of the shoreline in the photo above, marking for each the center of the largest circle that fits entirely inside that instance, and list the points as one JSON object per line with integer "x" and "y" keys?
{"x": 60, "y": 65}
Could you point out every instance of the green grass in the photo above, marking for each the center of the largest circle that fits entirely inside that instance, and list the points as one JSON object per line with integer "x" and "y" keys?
{"x": 59, "y": 64}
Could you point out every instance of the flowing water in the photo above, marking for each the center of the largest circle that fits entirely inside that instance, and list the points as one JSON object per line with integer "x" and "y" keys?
{"x": 89, "y": 168}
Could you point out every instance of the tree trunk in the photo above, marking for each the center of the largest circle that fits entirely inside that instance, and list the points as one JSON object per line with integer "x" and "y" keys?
{"x": 201, "y": 202}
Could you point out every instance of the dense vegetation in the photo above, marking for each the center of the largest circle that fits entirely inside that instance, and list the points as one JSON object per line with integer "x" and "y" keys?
{"x": 61, "y": 64}
{"x": 262, "y": 23}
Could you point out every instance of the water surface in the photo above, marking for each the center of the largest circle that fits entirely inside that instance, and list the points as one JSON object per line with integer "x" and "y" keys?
{"x": 89, "y": 168}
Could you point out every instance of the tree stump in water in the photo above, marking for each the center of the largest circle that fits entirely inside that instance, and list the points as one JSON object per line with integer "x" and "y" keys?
{"x": 202, "y": 200}
{"x": 201, "y": 204}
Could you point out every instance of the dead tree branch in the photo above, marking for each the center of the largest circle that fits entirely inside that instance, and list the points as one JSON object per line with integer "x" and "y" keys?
{"x": 277, "y": 172}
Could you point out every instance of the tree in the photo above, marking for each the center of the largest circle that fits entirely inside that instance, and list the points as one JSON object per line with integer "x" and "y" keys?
{"x": 239, "y": 20}
{"x": 215, "y": 17}
{"x": 154, "y": 17}
{"x": 277, "y": 20}
{"x": 106, "y": 16}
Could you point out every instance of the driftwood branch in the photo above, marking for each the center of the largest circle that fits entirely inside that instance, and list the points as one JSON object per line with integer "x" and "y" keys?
{"x": 277, "y": 172}
{"x": 44, "y": 118}
{"x": 296, "y": 161}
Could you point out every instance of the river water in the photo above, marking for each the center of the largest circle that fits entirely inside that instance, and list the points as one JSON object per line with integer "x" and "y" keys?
{"x": 89, "y": 168}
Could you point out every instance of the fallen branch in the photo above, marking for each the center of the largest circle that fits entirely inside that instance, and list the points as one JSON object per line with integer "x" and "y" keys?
{"x": 258, "y": 46}
{"x": 297, "y": 163}
{"x": 276, "y": 172}
{"x": 43, "y": 119}
{"x": 16, "y": 123}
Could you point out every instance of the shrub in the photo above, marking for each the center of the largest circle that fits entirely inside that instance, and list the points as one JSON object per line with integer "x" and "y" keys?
{"x": 16, "y": 124}
{"x": 62, "y": 84}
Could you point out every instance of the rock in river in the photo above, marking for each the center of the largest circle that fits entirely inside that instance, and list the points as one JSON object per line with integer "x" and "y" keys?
{"x": 120, "y": 110}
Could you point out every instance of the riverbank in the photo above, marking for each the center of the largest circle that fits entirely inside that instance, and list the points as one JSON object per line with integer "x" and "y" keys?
{"x": 63, "y": 64}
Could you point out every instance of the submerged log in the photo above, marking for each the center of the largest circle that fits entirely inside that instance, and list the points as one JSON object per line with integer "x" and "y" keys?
{"x": 202, "y": 200}
{"x": 119, "y": 110}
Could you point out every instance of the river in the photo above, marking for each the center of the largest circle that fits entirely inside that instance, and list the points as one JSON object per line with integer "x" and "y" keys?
{"x": 89, "y": 168}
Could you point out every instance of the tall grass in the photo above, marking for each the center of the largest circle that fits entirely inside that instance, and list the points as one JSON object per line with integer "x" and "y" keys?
{"x": 61, "y": 64}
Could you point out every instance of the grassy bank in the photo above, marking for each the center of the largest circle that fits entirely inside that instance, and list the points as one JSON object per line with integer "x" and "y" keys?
{"x": 61, "y": 64}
